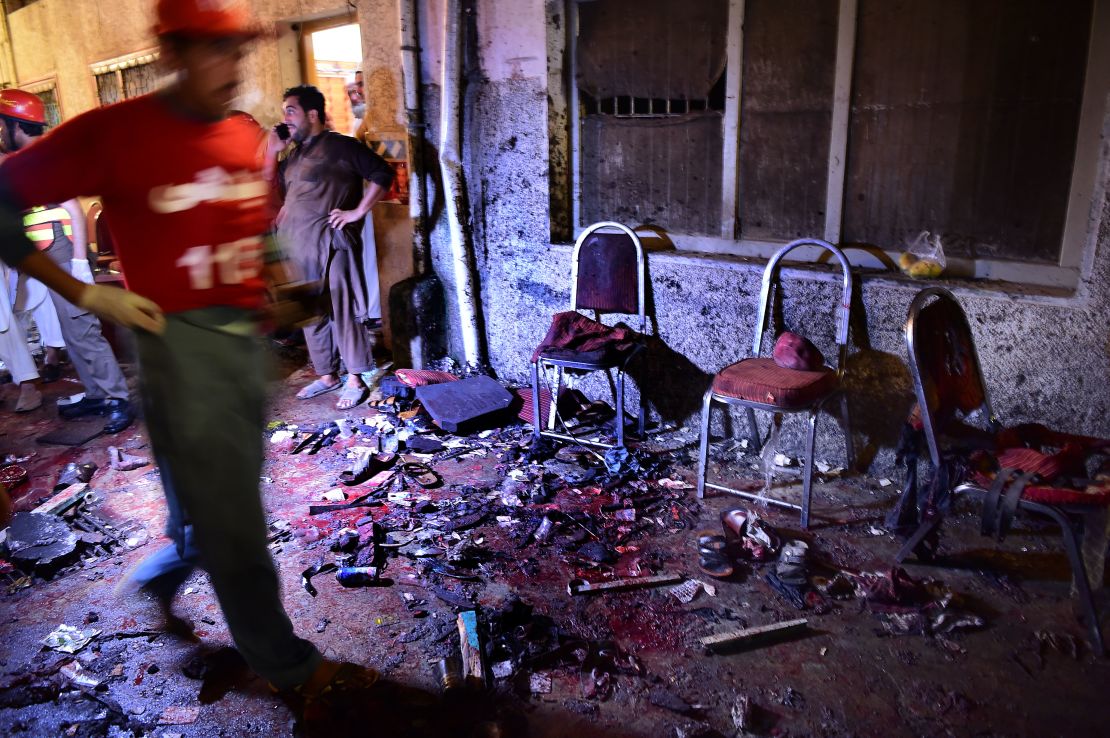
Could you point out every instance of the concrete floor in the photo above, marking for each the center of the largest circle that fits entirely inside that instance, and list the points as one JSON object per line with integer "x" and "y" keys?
{"x": 845, "y": 677}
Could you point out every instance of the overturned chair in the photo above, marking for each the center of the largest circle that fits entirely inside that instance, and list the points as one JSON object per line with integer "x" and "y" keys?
{"x": 607, "y": 277}
{"x": 1008, "y": 470}
{"x": 761, "y": 383}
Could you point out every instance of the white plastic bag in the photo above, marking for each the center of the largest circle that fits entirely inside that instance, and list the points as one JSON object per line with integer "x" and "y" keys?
{"x": 923, "y": 257}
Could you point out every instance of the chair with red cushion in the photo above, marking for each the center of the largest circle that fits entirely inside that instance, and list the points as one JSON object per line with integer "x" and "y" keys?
{"x": 607, "y": 277}
{"x": 1008, "y": 470}
{"x": 800, "y": 383}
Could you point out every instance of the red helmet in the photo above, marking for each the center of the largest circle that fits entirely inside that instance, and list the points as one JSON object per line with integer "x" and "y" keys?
{"x": 203, "y": 18}
{"x": 22, "y": 105}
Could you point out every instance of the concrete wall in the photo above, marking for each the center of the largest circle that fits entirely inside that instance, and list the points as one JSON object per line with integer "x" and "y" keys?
{"x": 1046, "y": 358}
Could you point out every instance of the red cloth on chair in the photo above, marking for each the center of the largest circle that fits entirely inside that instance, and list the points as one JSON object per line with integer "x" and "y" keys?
{"x": 574, "y": 333}
{"x": 762, "y": 380}
{"x": 423, "y": 377}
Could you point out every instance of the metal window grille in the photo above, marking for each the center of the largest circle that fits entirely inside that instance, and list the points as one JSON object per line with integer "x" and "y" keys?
{"x": 626, "y": 106}
{"x": 139, "y": 80}
{"x": 49, "y": 99}
{"x": 109, "y": 88}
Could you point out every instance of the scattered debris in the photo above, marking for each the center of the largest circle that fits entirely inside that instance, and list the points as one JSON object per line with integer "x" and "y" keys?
{"x": 68, "y": 639}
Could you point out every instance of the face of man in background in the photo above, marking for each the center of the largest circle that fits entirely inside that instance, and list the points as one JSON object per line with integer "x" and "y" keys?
{"x": 209, "y": 72}
{"x": 299, "y": 122}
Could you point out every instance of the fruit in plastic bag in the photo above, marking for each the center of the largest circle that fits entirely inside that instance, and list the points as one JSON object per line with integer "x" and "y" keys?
{"x": 923, "y": 257}
{"x": 925, "y": 269}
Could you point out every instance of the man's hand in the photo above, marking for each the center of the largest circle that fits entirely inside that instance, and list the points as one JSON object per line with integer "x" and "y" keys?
{"x": 275, "y": 144}
{"x": 339, "y": 218}
{"x": 123, "y": 307}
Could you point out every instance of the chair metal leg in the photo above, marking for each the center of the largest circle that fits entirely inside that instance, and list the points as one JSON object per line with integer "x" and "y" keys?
{"x": 918, "y": 536}
{"x": 537, "y": 417}
{"x": 619, "y": 420}
{"x": 703, "y": 448}
{"x": 753, "y": 426}
{"x": 849, "y": 442}
{"x": 1079, "y": 572}
{"x": 807, "y": 474}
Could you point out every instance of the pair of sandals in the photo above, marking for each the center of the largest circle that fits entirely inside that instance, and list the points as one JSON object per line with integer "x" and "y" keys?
{"x": 758, "y": 539}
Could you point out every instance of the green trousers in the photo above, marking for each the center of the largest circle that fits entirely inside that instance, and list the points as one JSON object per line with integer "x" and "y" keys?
{"x": 203, "y": 387}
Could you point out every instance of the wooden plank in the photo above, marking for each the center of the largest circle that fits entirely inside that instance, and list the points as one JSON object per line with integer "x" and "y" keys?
{"x": 730, "y": 170}
{"x": 753, "y": 636}
{"x": 63, "y": 500}
{"x": 964, "y": 121}
{"x": 578, "y": 586}
{"x": 788, "y": 62}
{"x": 470, "y": 646}
{"x": 838, "y": 144}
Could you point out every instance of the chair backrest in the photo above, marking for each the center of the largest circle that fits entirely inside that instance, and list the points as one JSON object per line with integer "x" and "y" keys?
{"x": 947, "y": 377}
{"x": 98, "y": 228}
{"x": 91, "y": 219}
{"x": 607, "y": 272}
{"x": 843, "y": 308}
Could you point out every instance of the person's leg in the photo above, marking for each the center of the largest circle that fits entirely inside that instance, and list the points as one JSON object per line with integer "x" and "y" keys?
{"x": 17, "y": 358}
{"x": 311, "y": 261}
{"x": 89, "y": 350}
{"x": 50, "y": 334}
{"x": 348, "y": 304}
{"x": 209, "y": 385}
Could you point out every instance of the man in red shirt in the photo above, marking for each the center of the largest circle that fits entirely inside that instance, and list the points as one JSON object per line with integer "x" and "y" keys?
{"x": 187, "y": 208}
{"x": 52, "y": 230}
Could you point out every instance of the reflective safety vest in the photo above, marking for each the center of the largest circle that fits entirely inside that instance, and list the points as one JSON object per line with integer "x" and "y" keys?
{"x": 44, "y": 225}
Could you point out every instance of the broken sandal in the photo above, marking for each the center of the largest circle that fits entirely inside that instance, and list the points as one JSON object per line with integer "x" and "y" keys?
{"x": 712, "y": 558}
{"x": 367, "y": 466}
{"x": 421, "y": 474}
{"x": 791, "y": 567}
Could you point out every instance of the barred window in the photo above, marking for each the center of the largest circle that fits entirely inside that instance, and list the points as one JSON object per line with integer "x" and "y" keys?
{"x": 126, "y": 77}
{"x": 49, "y": 99}
{"x": 109, "y": 88}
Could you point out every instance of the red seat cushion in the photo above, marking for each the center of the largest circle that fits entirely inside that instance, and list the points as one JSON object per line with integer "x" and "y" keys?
{"x": 762, "y": 380}
{"x": 1096, "y": 495}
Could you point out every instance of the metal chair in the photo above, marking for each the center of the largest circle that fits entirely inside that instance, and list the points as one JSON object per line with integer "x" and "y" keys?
{"x": 758, "y": 383}
{"x": 607, "y": 276}
{"x": 948, "y": 382}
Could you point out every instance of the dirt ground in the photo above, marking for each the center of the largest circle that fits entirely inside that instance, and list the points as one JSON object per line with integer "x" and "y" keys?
{"x": 626, "y": 664}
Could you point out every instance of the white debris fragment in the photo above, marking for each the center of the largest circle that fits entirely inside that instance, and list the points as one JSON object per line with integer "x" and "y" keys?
{"x": 784, "y": 460}
{"x": 687, "y": 591}
{"x": 884, "y": 482}
{"x": 281, "y": 435}
{"x": 335, "y": 495}
{"x": 876, "y": 531}
{"x": 69, "y": 639}
{"x": 668, "y": 483}
{"x": 502, "y": 669}
{"x": 540, "y": 683}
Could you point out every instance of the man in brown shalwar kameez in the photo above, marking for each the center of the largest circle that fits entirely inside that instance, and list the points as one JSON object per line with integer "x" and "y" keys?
{"x": 329, "y": 182}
